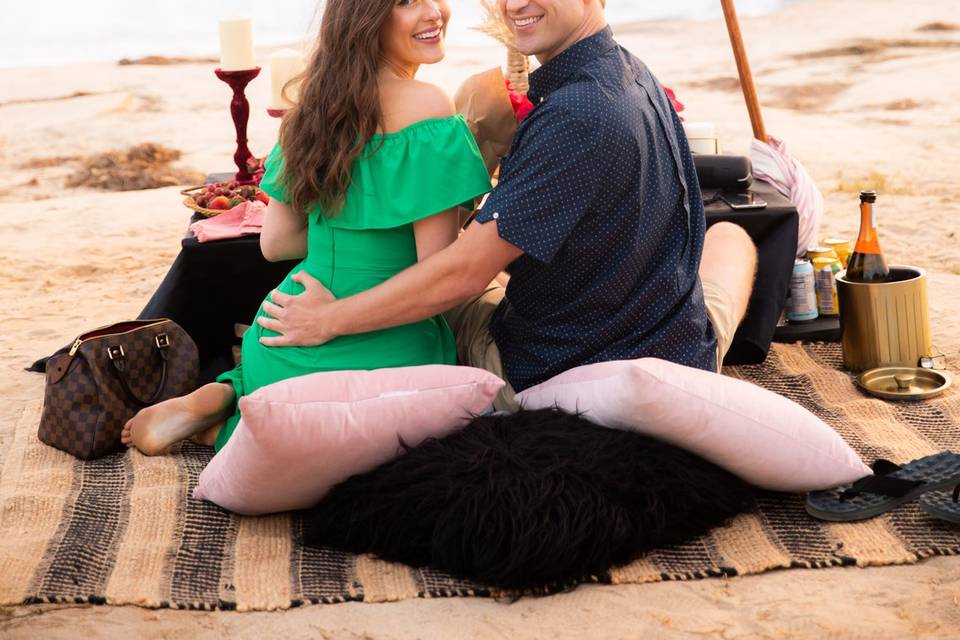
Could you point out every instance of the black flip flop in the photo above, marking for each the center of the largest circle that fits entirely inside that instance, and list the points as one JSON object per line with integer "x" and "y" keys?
{"x": 890, "y": 486}
{"x": 942, "y": 505}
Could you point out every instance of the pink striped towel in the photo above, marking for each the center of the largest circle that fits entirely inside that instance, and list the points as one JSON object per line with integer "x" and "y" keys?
{"x": 772, "y": 164}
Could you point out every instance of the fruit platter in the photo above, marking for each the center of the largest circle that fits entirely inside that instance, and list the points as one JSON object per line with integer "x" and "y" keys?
{"x": 213, "y": 199}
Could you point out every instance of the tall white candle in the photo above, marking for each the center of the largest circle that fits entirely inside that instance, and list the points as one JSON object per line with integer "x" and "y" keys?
{"x": 236, "y": 44}
{"x": 284, "y": 65}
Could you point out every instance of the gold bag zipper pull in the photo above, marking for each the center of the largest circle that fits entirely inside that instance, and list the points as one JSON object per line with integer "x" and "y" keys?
{"x": 76, "y": 345}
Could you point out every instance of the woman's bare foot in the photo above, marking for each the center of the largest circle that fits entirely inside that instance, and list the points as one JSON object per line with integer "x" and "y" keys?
{"x": 154, "y": 429}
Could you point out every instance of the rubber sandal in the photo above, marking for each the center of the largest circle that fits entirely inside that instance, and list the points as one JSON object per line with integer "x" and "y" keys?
{"x": 942, "y": 505}
{"x": 890, "y": 486}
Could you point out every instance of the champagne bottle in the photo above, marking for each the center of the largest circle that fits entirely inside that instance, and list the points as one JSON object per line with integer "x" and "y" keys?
{"x": 866, "y": 262}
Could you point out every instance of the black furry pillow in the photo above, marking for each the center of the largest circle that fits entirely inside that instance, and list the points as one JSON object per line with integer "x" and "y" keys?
{"x": 534, "y": 498}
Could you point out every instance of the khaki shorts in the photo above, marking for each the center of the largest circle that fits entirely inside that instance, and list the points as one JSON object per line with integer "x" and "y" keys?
{"x": 722, "y": 314}
{"x": 470, "y": 323}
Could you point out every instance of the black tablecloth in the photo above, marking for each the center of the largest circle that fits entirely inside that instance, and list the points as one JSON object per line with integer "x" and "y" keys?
{"x": 213, "y": 286}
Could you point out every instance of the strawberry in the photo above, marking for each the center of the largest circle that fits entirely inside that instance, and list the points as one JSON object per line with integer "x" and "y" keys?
{"x": 262, "y": 197}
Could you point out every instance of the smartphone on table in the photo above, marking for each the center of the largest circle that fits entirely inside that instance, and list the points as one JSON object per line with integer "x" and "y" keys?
{"x": 745, "y": 200}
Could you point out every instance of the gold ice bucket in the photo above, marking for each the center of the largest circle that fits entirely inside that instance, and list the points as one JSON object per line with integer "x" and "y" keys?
{"x": 885, "y": 324}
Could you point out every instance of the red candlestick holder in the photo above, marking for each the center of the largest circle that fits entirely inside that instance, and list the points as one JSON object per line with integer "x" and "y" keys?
{"x": 240, "y": 110}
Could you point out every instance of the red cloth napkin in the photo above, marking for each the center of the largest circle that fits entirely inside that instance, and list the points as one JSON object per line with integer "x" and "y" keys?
{"x": 244, "y": 219}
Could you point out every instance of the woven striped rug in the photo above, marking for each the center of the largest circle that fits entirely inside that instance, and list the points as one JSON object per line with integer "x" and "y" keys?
{"x": 124, "y": 530}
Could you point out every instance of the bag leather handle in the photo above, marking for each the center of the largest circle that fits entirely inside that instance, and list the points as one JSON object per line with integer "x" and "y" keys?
{"x": 117, "y": 355}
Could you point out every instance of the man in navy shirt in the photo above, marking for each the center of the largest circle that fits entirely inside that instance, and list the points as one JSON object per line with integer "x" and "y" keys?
{"x": 597, "y": 217}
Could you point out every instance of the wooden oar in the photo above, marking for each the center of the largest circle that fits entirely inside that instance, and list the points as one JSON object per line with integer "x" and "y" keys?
{"x": 743, "y": 68}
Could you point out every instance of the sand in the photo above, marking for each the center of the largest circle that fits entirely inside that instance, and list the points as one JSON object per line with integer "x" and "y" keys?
{"x": 864, "y": 95}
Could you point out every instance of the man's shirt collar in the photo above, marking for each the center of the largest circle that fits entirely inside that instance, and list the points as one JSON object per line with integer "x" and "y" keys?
{"x": 552, "y": 75}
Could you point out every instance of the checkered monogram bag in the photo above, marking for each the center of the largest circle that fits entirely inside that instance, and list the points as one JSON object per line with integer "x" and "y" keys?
{"x": 108, "y": 375}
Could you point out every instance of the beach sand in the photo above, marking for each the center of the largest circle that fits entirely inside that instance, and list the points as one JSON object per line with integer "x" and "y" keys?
{"x": 863, "y": 91}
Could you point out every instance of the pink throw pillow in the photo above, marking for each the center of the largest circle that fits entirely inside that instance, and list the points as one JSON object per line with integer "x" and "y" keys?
{"x": 300, "y": 437}
{"x": 764, "y": 438}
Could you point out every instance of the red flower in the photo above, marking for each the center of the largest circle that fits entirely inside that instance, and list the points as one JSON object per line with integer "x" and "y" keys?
{"x": 677, "y": 105}
{"x": 521, "y": 103}
{"x": 255, "y": 168}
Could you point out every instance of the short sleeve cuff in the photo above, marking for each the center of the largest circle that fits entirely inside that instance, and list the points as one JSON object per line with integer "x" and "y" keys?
{"x": 508, "y": 229}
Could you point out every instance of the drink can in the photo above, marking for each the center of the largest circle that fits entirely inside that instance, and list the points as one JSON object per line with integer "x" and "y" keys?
{"x": 802, "y": 303}
{"x": 825, "y": 272}
{"x": 821, "y": 252}
{"x": 842, "y": 247}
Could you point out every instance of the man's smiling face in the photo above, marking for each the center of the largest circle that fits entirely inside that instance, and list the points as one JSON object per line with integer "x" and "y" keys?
{"x": 544, "y": 28}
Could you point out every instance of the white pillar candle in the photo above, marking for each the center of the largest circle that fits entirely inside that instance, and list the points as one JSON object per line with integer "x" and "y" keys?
{"x": 236, "y": 44}
{"x": 702, "y": 137}
{"x": 284, "y": 65}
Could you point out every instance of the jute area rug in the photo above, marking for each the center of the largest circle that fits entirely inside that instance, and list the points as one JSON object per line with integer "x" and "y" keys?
{"x": 124, "y": 529}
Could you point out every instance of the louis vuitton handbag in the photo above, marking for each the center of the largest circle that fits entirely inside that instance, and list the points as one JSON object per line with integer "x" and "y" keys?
{"x": 107, "y": 376}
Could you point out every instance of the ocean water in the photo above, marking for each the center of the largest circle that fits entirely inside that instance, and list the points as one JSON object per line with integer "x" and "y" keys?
{"x": 49, "y": 32}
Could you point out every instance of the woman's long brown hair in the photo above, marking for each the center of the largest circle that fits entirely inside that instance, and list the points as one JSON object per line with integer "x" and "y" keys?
{"x": 338, "y": 110}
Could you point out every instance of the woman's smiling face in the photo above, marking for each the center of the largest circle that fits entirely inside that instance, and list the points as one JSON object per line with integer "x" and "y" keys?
{"x": 414, "y": 33}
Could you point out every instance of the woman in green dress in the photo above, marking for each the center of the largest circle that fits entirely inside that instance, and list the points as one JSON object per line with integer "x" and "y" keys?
{"x": 365, "y": 181}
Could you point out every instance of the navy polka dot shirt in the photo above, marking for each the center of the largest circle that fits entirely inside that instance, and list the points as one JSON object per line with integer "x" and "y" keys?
{"x": 600, "y": 192}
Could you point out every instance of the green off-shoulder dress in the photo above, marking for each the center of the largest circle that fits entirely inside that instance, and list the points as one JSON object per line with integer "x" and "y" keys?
{"x": 428, "y": 167}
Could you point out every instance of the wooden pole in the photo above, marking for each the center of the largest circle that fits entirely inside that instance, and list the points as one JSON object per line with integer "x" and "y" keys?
{"x": 743, "y": 68}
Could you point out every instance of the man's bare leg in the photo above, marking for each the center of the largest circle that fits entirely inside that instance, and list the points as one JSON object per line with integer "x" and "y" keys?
{"x": 730, "y": 261}
{"x": 154, "y": 429}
